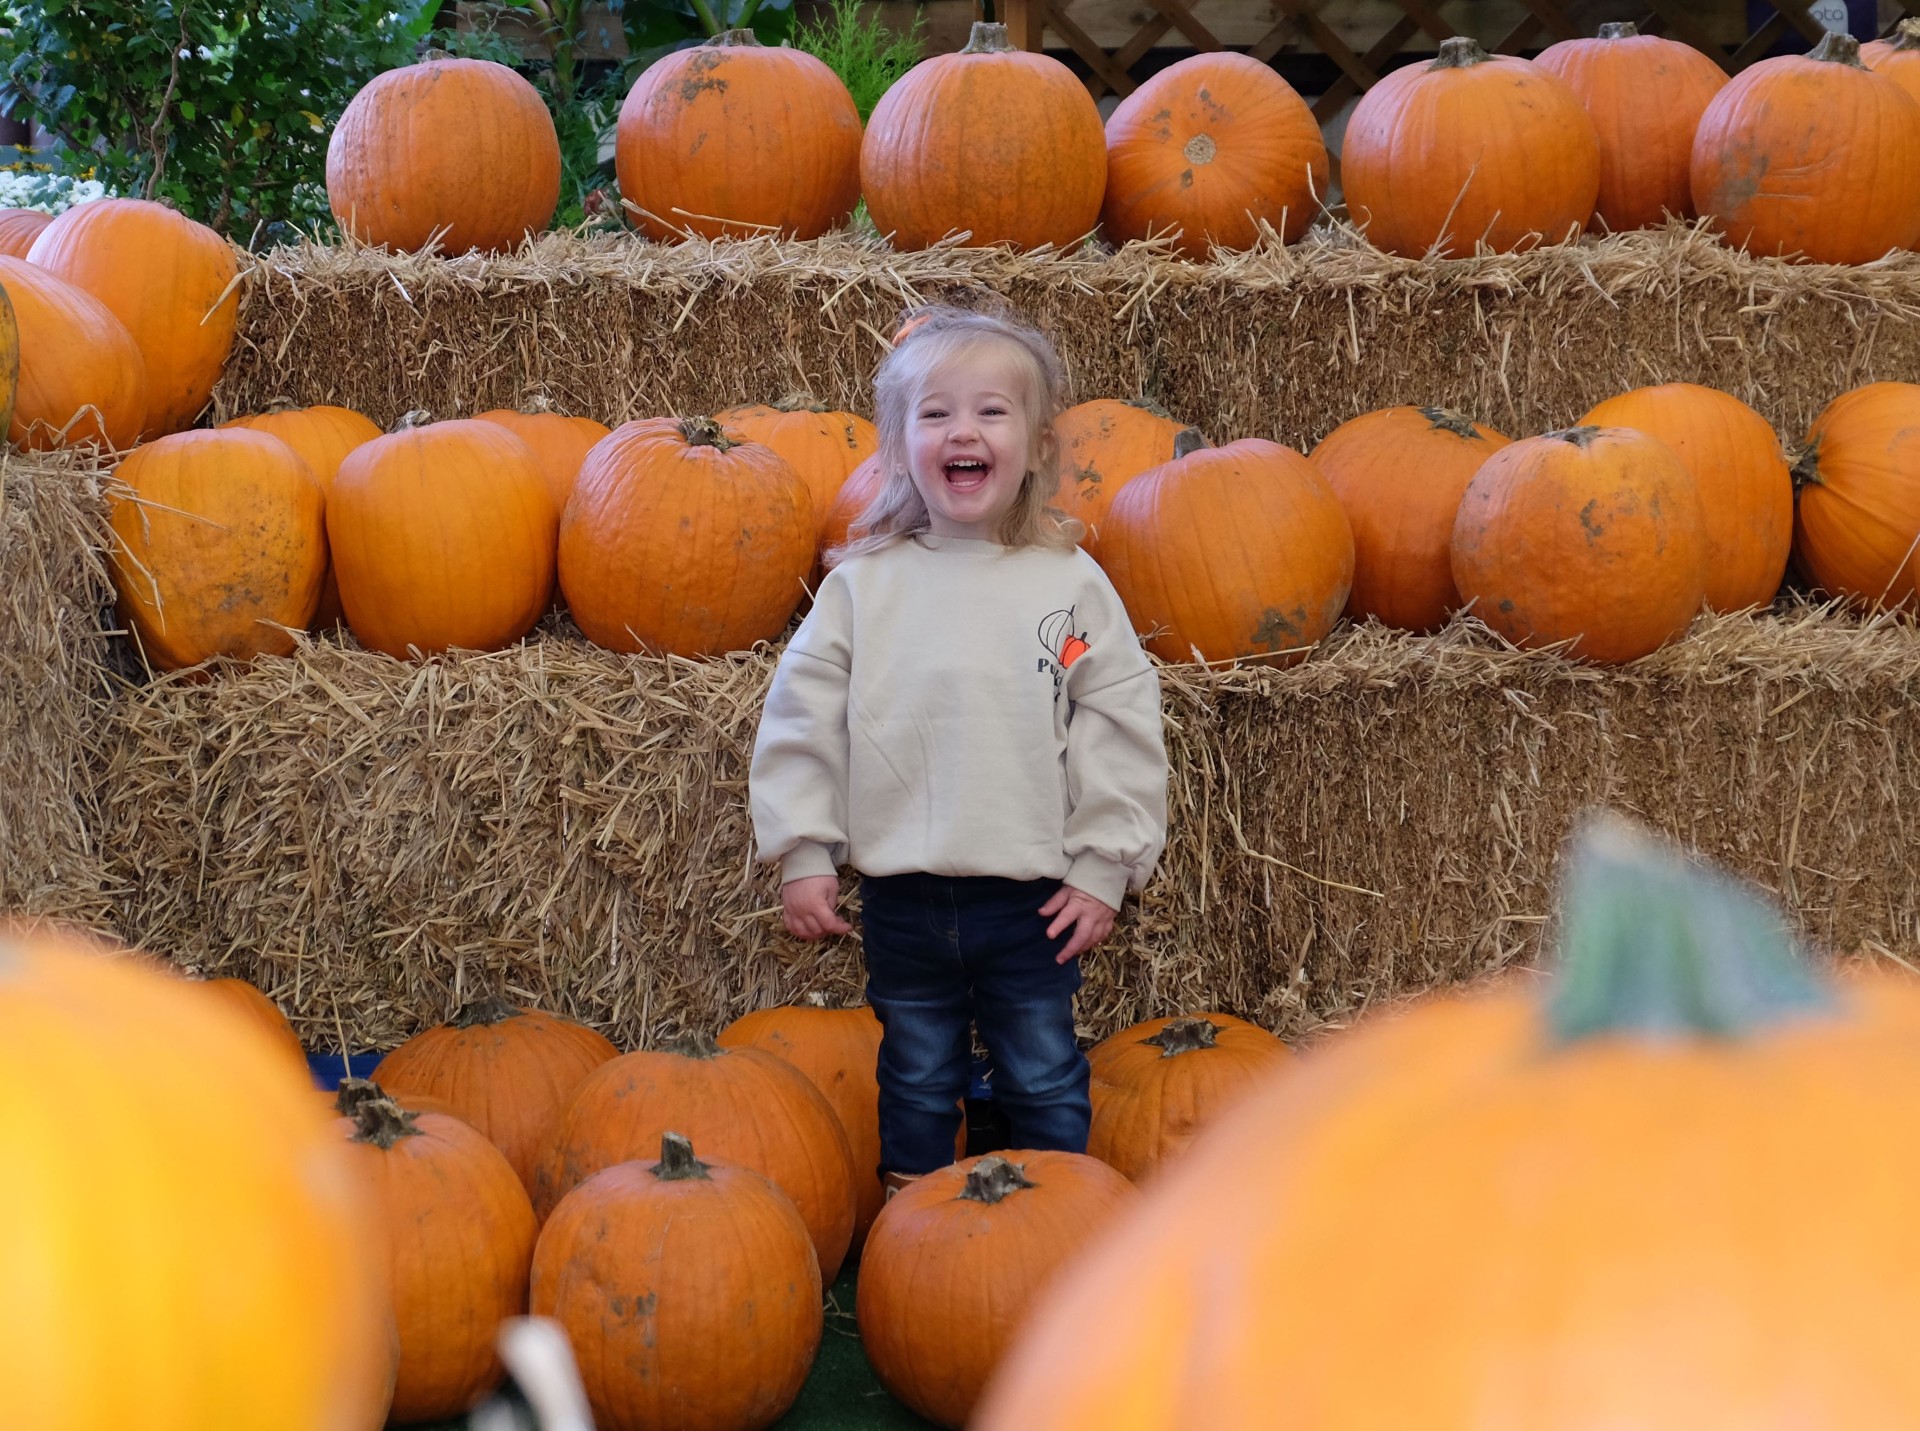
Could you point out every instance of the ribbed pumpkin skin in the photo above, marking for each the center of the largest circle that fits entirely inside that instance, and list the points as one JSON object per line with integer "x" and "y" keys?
{"x": 739, "y": 1105}
{"x": 1819, "y": 157}
{"x": 462, "y": 149}
{"x": 74, "y": 356}
{"x": 1240, "y": 552}
{"x": 733, "y": 137}
{"x": 1000, "y": 143}
{"x": 459, "y": 1233}
{"x": 823, "y": 447}
{"x": 443, "y": 537}
{"x": 184, "y": 1248}
{"x": 1211, "y": 146}
{"x": 1645, "y": 95}
{"x": 1105, "y": 444}
{"x": 691, "y": 1305}
{"x": 946, "y": 1282}
{"x": 1594, "y": 536}
{"x": 1399, "y": 474}
{"x": 18, "y": 229}
{"x": 1149, "y": 1104}
{"x": 249, "y": 1000}
{"x": 509, "y": 1072}
{"x": 1746, "y": 490}
{"x": 558, "y": 443}
{"x": 1444, "y": 156}
{"x": 222, "y": 543}
{"x": 169, "y": 279}
{"x": 690, "y": 547}
{"x": 1857, "y": 526}
{"x": 1897, "y": 58}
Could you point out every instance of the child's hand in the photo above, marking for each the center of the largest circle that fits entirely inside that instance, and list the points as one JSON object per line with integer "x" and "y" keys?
{"x": 1090, "y": 920}
{"x": 807, "y": 905}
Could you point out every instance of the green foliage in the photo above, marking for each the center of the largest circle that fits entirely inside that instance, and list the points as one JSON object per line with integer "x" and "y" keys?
{"x": 658, "y": 27}
{"x": 867, "y": 55}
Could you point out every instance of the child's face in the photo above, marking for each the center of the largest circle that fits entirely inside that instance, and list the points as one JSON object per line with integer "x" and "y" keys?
{"x": 968, "y": 444}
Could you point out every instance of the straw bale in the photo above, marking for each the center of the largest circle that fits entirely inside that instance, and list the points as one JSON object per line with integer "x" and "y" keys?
{"x": 1281, "y": 342}
{"x": 373, "y": 840}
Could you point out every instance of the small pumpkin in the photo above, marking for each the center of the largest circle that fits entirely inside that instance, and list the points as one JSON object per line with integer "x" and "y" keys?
{"x": 1001, "y": 144}
{"x": 559, "y": 444}
{"x": 457, "y": 152}
{"x": 1209, "y": 149}
{"x": 81, "y": 376}
{"x": 1857, "y": 523}
{"x": 688, "y": 1290}
{"x": 735, "y": 138}
{"x": 1812, "y": 154}
{"x": 1593, "y": 536}
{"x": 219, "y": 546}
{"x": 1470, "y": 148}
{"x": 1897, "y": 57}
{"x": 856, "y": 494}
{"x": 18, "y": 229}
{"x": 1399, "y": 474}
{"x": 822, "y": 445}
{"x": 249, "y": 1000}
{"x": 1231, "y": 553}
{"x": 1105, "y": 444}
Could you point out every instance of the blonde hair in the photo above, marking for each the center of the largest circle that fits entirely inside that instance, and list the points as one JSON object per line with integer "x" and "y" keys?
{"x": 929, "y": 338}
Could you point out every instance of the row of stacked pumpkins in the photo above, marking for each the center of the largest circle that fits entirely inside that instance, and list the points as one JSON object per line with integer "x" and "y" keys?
{"x": 1004, "y": 146}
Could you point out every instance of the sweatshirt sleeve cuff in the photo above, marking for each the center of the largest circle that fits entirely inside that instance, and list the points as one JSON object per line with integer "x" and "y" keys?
{"x": 1100, "y": 877}
{"x": 806, "y": 860}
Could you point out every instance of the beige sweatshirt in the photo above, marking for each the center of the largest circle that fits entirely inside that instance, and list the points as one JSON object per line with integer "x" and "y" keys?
{"x": 957, "y": 707}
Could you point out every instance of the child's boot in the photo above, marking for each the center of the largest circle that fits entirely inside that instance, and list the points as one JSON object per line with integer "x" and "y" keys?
{"x": 896, "y": 1181}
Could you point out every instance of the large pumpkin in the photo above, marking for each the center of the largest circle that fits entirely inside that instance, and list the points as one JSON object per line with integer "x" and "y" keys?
{"x": 1235, "y": 552}
{"x": 9, "y": 359}
{"x": 1470, "y": 148}
{"x": 957, "y": 1258}
{"x": 508, "y": 1071}
{"x": 19, "y": 228}
{"x": 461, "y": 153}
{"x": 1897, "y": 57}
{"x": 688, "y": 1290}
{"x": 1210, "y": 149}
{"x": 743, "y": 1105}
{"x": 735, "y": 138}
{"x": 219, "y": 542}
{"x": 1857, "y": 527}
{"x": 823, "y": 446}
{"x": 1813, "y": 155}
{"x": 1157, "y": 1085}
{"x": 1399, "y": 474}
{"x": 443, "y": 537}
{"x": 1672, "y": 1193}
{"x": 81, "y": 376}
{"x": 1746, "y": 490}
{"x": 559, "y": 444}
{"x": 993, "y": 141}
{"x": 1645, "y": 95}
{"x": 458, "y": 1231}
{"x": 681, "y": 539}
{"x": 1105, "y": 444}
{"x": 180, "y": 1244}
{"x": 172, "y": 281}
{"x": 262, "y": 1011}
{"x": 1593, "y": 536}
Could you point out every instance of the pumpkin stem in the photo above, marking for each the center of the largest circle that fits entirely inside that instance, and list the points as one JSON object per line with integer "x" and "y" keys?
{"x": 987, "y": 38}
{"x": 485, "y": 1010}
{"x": 1185, "y": 1036}
{"x": 799, "y": 401}
{"x": 677, "y": 1163}
{"x": 417, "y": 417}
{"x": 729, "y": 39}
{"x": 352, "y": 1093}
{"x": 1445, "y": 419}
{"x": 693, "y": 1045}
{"x": 1619, "y": 30}
{"x": 992, "y": 1178}
{"x": 1806, "y": 467}
{"x": 1837, "y": 49}
{"x": 1580, "y": 437}
{"x": 1187, "y": 441}
{"x": 1148, "y": 405}
{"x": 1655, "y": 947}
{"x": 705, "y": 432}
{"x": 1458, "y": 52}
{"x": 382, "y": 1122}
{"x": 1906, "y": 36}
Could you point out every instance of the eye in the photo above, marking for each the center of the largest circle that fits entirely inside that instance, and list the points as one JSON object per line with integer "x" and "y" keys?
{"x": 933, "y": 414}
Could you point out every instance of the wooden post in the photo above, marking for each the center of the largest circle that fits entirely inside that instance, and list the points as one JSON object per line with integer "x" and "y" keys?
{"x": 1026, "y": 22}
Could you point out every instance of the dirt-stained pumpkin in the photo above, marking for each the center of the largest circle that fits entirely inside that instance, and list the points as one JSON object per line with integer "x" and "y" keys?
{"x": 822, "y": 445}
{"x": 1105, "y": 444}
{"x": 1857, "y": 522}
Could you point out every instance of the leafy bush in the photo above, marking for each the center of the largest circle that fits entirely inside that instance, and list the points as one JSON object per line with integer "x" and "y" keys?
{"x": 867, "y": 55}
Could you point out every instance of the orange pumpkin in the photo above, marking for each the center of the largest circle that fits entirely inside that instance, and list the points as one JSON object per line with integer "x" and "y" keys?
{"x": 1399, "y": 474}
{"x": 1210, "y": 149}
{"x": 1857, "y": 527}
{"x": 1232, "y": 553}
{"x": 508, "y": 1071}
{"x": 1593, "y": 536}
{"x": 1472, "y": 148}
{"x": 1645, "y": 95}
{"x": 247, "y": 999}
{"x": 958, "y": 1257}
{"x": 743, "y": 1105}
{"x": 346, "y": 1098}
{"x": 1004, "y": 145}
{"x": 1897, "y": 57}
{"x": 688, "y": 1291}
{"x": 823, "y": 446}
{"x": 461, "y": 153}
{"x": 459, "y": 1232}
{"x": 735, "y": 138}
{"x": 1105, "y": 444}
{"x": 18, "y": 229}
{"x": 1813, "y": 155}
{"x": 173, "y": 282}
{"x": 1157, "y": 1085}
{"x": 681, "y": 539}
{"x": 82, "y": 378}
{"x": 443, "y": 537}
{"x": 1746, "y": 490}
{"x": 558, "y": 443}
{"x": 856, "y": 494}
{"x": 220, "y": 543}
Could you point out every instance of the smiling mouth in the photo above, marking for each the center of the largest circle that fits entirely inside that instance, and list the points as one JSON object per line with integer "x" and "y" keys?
{"x": 967, "y": 475}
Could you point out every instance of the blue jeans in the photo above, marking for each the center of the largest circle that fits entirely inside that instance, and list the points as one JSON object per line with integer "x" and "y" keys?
{"x": 944, "y": 952}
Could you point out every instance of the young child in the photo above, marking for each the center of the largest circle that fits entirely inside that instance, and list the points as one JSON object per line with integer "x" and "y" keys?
{"x": 966, "y": 716}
